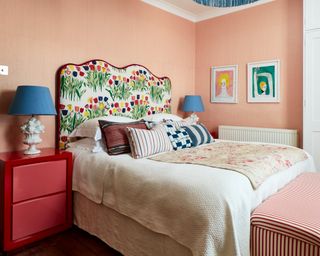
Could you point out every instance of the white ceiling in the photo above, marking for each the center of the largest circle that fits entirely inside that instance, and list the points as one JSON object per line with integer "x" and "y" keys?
{"x": 192, "y": 11}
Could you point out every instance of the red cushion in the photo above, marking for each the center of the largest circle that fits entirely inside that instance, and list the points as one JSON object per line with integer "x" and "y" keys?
{"x": 115, "y": 135}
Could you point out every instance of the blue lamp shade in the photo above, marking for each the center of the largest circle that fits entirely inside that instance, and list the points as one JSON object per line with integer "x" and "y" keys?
{"x": 193, "y": 103}
{"x": 32, "y": 100}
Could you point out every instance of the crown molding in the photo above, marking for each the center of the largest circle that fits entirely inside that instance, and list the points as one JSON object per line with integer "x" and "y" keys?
{"x": 172, "y": 9}
{"x": 200, "y": 17}
{"x": 210, "y": 15}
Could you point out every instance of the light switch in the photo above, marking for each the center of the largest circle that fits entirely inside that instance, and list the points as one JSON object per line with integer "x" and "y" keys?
{"x": 4, "y": 70}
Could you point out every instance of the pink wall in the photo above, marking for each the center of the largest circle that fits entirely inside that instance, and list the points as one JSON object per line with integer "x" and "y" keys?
{"x": 37, "y": 37}
{"x": 266, "y": 32}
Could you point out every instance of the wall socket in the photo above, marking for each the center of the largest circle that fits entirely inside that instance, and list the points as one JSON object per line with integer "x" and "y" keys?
{"x": 4, "y": 70}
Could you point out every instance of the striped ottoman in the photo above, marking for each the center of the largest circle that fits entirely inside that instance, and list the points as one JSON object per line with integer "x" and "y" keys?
{"x": 288, "y": 223}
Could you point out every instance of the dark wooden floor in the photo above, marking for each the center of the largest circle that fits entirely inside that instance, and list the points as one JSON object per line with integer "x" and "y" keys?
{"x": 71, "y": 242}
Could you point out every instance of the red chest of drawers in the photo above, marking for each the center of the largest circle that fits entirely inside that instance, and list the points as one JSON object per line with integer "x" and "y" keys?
{"x": 35, "y": 196}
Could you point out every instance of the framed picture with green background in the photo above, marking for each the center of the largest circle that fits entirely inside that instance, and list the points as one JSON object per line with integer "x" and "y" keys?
{"x": 263, "y": 81}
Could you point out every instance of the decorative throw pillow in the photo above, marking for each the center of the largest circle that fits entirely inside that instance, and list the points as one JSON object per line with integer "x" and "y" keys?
{"x": 148, "y": 142}
{"x": 177, "y": 123}
{"x": 179, "y": 139}
{"x": 168, "y": 127}
{"x": 181, "y": 123}
{"x": 158, "y": 118}
{"x": 198, "y": 134}
{"x": 115, "y": 136}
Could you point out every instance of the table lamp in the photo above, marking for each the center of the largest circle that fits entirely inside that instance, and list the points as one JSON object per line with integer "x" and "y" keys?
{"x": 193, "y": 103}
{"x": 32, "y": 100}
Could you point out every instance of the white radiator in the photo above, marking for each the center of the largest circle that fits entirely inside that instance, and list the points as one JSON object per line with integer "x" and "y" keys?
{"x": 239, "y": 133}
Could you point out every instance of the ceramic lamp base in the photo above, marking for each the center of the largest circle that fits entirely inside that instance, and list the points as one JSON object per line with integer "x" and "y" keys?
{"x": 32, "y": 129}
{"x": 32, "y": 150}
{"x": 194, "y": 118}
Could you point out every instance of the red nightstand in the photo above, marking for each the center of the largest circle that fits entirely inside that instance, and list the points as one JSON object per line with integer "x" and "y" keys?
{"x": 214, "y": 134}
{"x": 35, "y": 196}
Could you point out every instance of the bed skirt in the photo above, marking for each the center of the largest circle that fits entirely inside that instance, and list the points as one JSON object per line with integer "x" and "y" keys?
{"x": 122, "y": 233}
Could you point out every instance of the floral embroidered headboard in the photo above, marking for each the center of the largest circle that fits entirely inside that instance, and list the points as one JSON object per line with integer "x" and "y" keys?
{"x": 97, "y": 88}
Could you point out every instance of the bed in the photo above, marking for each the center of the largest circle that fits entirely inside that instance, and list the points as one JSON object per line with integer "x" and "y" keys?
{"x": 147, "y": 207}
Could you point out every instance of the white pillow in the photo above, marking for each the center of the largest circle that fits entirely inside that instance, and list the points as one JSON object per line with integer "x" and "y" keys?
{"x": 187, "y": 121}
{"x": 90, "y": 128}
{"x": 157, "y": 118}
{"x": 87, "y": 144}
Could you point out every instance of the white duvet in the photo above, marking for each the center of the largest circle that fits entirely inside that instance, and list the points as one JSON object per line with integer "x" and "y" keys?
{"x": 203, "y": 208}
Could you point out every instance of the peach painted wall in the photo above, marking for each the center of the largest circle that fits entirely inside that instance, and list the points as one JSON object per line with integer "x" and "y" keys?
{"x": 38, "y": 36}
{"x": 265, "y": 32}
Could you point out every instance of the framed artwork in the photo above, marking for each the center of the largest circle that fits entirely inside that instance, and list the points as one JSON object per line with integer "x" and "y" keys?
{"x": 224, "y": 83}
{"x": 263, "y": 81}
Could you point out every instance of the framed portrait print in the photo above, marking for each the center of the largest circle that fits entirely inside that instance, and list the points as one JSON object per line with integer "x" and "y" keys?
{"x": 224, "y": 82}
{"x": 263, "y": 81}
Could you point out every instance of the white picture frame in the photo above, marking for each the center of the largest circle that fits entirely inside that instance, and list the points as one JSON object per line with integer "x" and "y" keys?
{"x": 224, "y": 84}
{"x": 263, "y": 82}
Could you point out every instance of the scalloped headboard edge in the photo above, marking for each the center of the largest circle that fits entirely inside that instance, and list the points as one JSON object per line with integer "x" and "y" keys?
{"x": 97, "y": 88}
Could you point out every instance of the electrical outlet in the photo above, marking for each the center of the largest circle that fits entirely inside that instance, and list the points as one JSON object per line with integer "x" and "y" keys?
{"x": 4, "y": 70}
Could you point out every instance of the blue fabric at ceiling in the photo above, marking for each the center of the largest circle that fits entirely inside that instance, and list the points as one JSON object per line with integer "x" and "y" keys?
{"x": 224, "y": 3}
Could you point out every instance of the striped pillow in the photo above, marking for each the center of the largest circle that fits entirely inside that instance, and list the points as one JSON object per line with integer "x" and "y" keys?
{"x": 148, "y": 142}
{"x": 198, "y": 134}
{"x": 115, "y": 135}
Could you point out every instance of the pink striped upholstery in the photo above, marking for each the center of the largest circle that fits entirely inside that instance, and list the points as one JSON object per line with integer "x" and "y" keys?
{"x": 288, "y": 223}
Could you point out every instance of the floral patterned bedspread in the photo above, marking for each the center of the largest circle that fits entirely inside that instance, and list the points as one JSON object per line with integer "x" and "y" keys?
{"x": 256, "y": 161}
